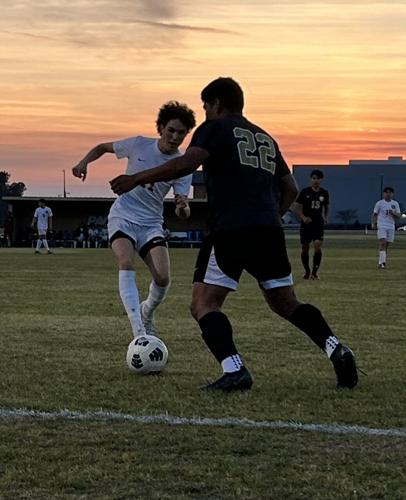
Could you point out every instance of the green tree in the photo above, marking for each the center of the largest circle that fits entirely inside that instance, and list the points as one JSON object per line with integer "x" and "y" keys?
{"x": 7, "y": 189}
{"x": 347, "y": 216}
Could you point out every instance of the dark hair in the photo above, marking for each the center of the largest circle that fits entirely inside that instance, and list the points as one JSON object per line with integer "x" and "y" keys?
{"x": 41, "y": 200}
{"x": 174, "y": 110}
{"x": 227, "y": 91}
{"x": 389, "y": 189}
{"x": 317, "y": 173}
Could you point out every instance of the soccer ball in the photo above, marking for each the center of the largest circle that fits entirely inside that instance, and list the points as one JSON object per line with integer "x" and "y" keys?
{"x": 147, "y": 354}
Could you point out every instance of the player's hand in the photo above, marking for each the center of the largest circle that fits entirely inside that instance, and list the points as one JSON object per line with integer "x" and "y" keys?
{"x": 123, "y": 184}
{"x": 306, "y": 220}
{"x": 181, "y": 201}
{"x": 80, "y": 170}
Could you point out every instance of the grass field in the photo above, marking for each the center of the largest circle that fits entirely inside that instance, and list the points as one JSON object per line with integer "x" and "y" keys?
{"x": 64, "y": 336}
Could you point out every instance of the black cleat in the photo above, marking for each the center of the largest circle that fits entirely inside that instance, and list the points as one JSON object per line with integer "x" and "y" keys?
{"x": 382, "y": 266}
{"x": 314, "y": 276}
{"x": 306, "y": 276}
{"x": 235, "y": 381}
{"x": 343, "y": 361}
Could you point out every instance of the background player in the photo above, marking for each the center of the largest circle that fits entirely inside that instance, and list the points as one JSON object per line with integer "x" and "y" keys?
{"x": 383, "y": 218}
{"x": 249, "y": 187}
{"x": 312, "y": 209}
{"x": 43, "y": 221}
{"x": 135, "y": 219}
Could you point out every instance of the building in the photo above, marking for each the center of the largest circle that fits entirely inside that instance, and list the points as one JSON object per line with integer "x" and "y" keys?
{"x": 355, "y": 188}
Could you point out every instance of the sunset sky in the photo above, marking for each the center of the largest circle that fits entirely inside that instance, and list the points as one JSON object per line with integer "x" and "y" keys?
{"x": 327, "y": 79}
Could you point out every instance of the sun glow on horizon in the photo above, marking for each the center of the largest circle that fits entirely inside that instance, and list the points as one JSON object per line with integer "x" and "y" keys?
{"x": 325, "y": 78}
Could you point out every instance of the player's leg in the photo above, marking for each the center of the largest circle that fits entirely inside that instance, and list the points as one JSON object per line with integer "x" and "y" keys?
{"x": 157, "y": 260}
{"x": 124, "y": 251}
{"x": 310, "y": 320}
{"x": 316, "y": 258}
{"x": 390, "y": 238}
{"x": 45, "y": 242}
{"x": 305, "y": 240}
{"x": 39, "y": 241}
{"x": 272, "y": 269}
{"x": 210, "y": 289}
{"x": 382, "y": 245}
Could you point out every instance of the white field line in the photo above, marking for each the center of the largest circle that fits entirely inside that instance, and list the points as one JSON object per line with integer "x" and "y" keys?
{"x": 213, "y": 422}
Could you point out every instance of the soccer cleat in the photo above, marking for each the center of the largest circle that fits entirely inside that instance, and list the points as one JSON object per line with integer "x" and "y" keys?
{"x": 49, "y": 252}
{"x": 148, "y": 320}
{"x": 306, "y": 276}
{"x": 382, "y": 266}
{"x": 314, "y": 276}
{"x": 235, "y": 381}
{"x": 343, "y": 361}
{"x": 37, "y": 252}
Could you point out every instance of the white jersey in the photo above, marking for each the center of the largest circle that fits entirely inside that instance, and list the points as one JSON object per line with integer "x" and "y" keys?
{"x": 385, "y": 219}
{"x": 144, "y": 205}
{"x": 42, "y": 215}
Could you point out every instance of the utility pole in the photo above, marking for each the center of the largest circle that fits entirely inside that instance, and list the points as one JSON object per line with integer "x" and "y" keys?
{"x": 64, "y": 184}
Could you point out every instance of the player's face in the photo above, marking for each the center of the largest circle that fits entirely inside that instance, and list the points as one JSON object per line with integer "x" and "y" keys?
{"x": 315, "y": 181}
{"x": 212, "y": 110}
{"x": 387, "y": 195}
{"x": 172, "y": 135}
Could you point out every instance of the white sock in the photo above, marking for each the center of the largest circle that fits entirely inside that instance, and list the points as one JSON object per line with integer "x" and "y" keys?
{"x": 331, "y": 343}
{"x": 232, "y": 364}
{"x": 45, "y": 243}
{"x": 155, "y": 297}
{"x": 382, "y": 256}
{"x": 131, "y": 300}
{"x": 38, "y": 245}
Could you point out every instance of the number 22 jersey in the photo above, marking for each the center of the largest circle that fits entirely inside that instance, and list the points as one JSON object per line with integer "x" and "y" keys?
{"x": 242, "y": 173}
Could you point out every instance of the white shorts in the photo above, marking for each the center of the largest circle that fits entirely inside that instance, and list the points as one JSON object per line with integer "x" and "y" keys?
{"x": 42, "y": 231}
{"x": 140, "y": 235}
{"x": 387, "y": 234}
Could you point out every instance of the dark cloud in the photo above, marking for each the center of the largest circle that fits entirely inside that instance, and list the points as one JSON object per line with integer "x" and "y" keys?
{"x": 185, "y": 27}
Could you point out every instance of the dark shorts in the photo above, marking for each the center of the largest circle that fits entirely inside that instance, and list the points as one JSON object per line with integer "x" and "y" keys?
{"x": 311, "y": 232}
{"x": 259, "y": 250}
{"x": 156, "y": 241}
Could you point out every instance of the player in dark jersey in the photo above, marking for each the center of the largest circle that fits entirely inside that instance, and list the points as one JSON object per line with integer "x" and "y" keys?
{"x": 312, "y": 209}
{"x": 249, "y": 187}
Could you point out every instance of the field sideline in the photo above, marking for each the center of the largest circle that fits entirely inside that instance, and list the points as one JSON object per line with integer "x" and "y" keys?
{"x": 64, "y": 335}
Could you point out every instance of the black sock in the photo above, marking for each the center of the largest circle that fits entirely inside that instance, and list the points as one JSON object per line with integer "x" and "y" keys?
{"x": 316, "y": 261}
{"x": 310, "y": 320}
{"x": 305, "y": 261}
{"x": 217, "y": 332}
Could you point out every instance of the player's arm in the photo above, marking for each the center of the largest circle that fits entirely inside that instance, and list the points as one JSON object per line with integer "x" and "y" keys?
{"x": 80, "y": 170}
{"x": 288, "y": 193}
{"x": 172, "y": 169}
{"x": 34, "y": 221}
{"x": 297, "y": 209}
{"x": 50, "y": 219}
{"x": 326, "y": 213}
{"x": 374, "y": 219}
{"x": 182, "y": 209}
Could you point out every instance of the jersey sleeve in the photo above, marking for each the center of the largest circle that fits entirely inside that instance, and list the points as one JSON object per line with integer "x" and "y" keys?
{"x": 125, "y": 147}
{"x": 36, "y": 213}
{"x": 397, "y": 207}
{"x": 50, "y": 214}
{"x": 326, "y": 198}
{"x": 376, "y": 208}
{"x": 207, "y": 136}
{"x": 182, "y": 185}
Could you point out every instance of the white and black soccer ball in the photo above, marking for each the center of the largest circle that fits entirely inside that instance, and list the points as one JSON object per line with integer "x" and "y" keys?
{"x": 147, "y": 354}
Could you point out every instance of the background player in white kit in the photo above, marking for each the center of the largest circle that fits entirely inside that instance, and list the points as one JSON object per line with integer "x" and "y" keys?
{"x": 43, "y": 221}
{"x": 135, "y": 218}
{"x": 383, "y": 219}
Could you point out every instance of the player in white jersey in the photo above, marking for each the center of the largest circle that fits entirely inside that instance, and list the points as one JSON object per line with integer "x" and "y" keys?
{"x": 135, "y": 219}
{"x": 383, "y": 219}
{"x": 43, "y": 221}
